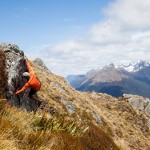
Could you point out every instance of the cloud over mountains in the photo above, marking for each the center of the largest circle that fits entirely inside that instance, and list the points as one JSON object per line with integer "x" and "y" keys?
{"x": 121, "y": 36}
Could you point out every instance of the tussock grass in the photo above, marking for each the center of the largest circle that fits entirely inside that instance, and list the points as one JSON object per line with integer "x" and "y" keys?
{"x": 59, "y": 124}
{"x": 23, "y": 130}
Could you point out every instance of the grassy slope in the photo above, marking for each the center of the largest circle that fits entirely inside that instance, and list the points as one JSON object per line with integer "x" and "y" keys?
{"x": 23, "y": 130}
{"x": 127, "y": 128}
{"x": 119, "y": 124}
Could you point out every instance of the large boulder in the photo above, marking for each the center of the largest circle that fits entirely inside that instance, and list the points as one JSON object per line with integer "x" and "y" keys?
{"x": 12, "y": 65}
{"x": 139, "y": 103}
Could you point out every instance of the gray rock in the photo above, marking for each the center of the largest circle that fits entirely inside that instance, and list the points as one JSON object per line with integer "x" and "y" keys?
{"x": 148, "y": 123}
{"x": 68, "y": 106}
{"x": 3, "y": 75}
{"x": 139, "y": 103}
{"x": 15, "y": 47}
{"x": 147, "y": 108}
{"x": 58, "y": 87}
{"x": 13, "y": 69}
{"x": 97, "y": 118}
{"x": 39, "y": 62}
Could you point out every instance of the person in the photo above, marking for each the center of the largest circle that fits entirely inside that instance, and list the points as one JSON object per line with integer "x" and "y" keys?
{"x": 32, "y": 83}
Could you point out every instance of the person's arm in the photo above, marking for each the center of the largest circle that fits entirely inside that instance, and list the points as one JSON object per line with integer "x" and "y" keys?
{"x": 29, "y": 68}
{"x": 31, "y": 75}
{"x": 23, "y": 89}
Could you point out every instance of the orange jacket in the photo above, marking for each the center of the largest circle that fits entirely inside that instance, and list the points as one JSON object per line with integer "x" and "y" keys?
{"x": 33, "y": 82}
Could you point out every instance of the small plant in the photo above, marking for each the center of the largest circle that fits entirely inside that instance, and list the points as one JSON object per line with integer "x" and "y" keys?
{"x": 59, "y": 124}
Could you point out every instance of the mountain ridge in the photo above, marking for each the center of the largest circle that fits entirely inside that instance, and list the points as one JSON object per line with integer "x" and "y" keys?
{"x": 111, "y": 76}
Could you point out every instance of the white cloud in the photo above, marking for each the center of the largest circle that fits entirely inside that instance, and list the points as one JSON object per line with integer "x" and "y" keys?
{"x": 122, "y": 36}
{"x": 108, "y": 31}
{"x": 132, "y": 14}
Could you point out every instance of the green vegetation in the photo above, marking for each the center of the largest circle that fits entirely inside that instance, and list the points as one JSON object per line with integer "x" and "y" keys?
{"x": 59, "y": 124}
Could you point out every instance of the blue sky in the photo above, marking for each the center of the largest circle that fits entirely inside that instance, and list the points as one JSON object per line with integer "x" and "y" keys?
{"x": 32, "y": 23}
{"x": 75, "y": 36}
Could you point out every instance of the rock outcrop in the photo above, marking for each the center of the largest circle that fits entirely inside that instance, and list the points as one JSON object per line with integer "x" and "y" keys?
{"x": 139, "y": 103}
{"x": 3, "y": 77}
{"x": 12, "y": 67}
{"x": 40, "y": 63}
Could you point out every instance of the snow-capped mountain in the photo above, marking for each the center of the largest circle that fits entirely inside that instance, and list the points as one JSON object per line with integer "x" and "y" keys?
{"x": 132, "y": 67}
{"x": 135, "y": 66}
{"x": 116, "y": 79}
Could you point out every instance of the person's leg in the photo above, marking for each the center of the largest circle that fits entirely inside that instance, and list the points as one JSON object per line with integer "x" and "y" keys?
{"x": 33, "y": 95}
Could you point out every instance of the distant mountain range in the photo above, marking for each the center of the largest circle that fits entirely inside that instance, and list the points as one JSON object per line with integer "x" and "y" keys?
{"x": 115, "y": 80}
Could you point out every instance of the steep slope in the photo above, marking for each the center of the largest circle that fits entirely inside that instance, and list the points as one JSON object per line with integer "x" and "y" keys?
{"x": 115, "y": 118}
{"x": 104, "y": 74}
{"x": 109, "y": 123}
{"x": 108, "y": 73}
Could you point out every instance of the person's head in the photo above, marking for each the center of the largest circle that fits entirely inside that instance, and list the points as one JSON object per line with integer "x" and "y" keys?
{"x": 26, "y": 75}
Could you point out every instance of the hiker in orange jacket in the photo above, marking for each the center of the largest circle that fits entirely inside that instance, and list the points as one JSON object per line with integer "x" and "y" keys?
{"x": 32, "y": 83}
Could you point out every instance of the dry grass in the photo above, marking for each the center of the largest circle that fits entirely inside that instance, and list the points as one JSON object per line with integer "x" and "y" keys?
{"x": 123, "y": 145}
{"x": 120, "y": 123}
{"x": 127, "y": 128}
{"x": 119, "y": 120}
{"x": 19, "y": 131}
{"x": 29, "y": 131}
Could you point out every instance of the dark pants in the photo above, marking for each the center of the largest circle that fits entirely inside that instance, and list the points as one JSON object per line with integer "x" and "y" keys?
{"x": 33, "y": 95}
{"x": 32, "y": 92}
